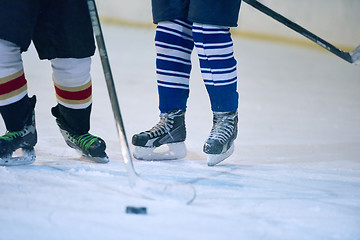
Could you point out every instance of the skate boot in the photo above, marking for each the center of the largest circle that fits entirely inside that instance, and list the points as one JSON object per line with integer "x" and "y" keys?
{"x": 165, "y": 141}
{"x": 24, "y": 139}
{"x": 88, "y": 145}
{"x": 220, "y": 144}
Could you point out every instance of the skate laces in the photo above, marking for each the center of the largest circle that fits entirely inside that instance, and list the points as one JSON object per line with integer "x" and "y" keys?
{"x": 12, "y": 135}
{"x": 84, "y": 141}
{"x": 27, "y": 128}
{"x": 223, "y": 127}
{"x": 163, "y": 126}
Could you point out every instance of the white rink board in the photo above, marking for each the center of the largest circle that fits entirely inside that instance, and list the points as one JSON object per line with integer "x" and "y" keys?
{"x": 336, "y": 21}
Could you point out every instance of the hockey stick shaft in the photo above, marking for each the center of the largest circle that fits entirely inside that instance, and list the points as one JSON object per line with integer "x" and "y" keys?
{"x": 184, "y": 193}
{"x": 321, "y": 42}
{"x": 111, "y": 90}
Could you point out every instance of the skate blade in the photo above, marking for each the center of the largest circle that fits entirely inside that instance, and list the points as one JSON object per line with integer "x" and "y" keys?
{"x": 169, "y": 151}
{"x": 213, "y": 159}
{"x": 27, "y": 158}
{"x": 96, "y": 159}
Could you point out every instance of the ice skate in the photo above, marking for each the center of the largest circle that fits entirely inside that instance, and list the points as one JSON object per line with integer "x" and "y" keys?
{"x": 165, "y": 141}
{"x": 88, "y": 145}
{"x": 220, "y": 144}
{"x": 24, "y": 140}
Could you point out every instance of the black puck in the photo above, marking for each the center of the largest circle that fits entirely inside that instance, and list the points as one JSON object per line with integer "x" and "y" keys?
{"x": 136, "y": 210}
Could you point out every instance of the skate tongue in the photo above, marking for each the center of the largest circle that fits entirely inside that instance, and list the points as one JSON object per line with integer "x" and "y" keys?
{"x": 28, "y": 157}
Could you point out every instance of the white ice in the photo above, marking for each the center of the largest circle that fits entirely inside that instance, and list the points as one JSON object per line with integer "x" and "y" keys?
{"x": 295, "y": 172}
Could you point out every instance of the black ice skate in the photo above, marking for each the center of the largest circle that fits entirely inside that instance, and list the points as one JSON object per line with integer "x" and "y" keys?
{"x": 24, "y": 139}
{"x": 165, "y": 141}
{"x": 88, "y": 145}
{"x": 220, "y": 144}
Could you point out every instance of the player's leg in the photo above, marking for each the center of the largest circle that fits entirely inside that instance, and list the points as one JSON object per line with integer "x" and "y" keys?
{"x": 218, "y": 66}
{"x": 17, "y": 20}
{"x": 73, "y": 89}
{"x": 16, "y": 108}
{"x": 70, "y": 48}
{"x": 174, "y": 44}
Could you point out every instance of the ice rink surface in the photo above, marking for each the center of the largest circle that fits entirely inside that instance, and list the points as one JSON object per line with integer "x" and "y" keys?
{"x": 295, "y": 172}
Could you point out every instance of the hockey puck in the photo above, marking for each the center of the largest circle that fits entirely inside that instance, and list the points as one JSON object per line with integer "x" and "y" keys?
{"x": 136, "y": 210}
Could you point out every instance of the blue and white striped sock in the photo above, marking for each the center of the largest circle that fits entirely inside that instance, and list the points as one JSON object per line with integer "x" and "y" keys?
{"x": 174, "y": 44}
{"x": 218, "y": 65}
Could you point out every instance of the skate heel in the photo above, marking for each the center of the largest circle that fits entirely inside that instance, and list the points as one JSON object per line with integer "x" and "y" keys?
{"x": 213, "y": 159}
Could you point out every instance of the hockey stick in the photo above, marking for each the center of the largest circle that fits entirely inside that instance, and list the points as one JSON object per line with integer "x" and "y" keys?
{"x": 184, "y": 193}
{"x": 351, "y": 57}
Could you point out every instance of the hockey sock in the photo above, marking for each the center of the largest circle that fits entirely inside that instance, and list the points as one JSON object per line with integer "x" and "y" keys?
{"x": 73, "y": 89}
{"x": 14, "y": 103}
{"x": 75, "y": 121}
{"x": 72, "y": 82}
{"x": 218, "y": 65}
{"x": 174, "y": 44}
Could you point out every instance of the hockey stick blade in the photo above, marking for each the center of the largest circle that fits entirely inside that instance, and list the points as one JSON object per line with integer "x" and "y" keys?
{"x": 355, "y": 55}
{"x": 352, "y": 57}
{"x": 183, "y": 193}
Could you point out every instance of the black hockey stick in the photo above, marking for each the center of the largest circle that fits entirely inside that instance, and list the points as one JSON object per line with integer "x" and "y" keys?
{"x": 184, "y": 193}
{"x": 351, "y": 57}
